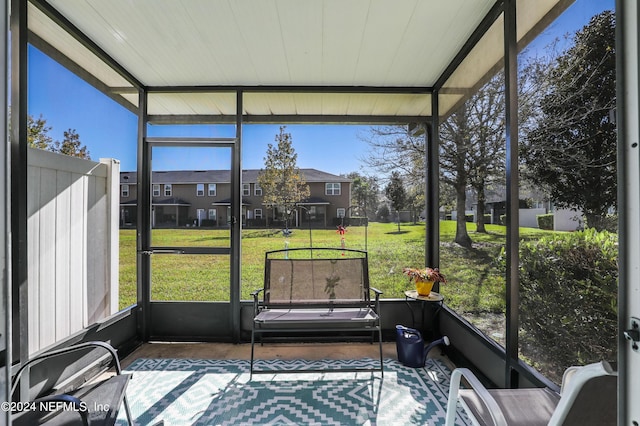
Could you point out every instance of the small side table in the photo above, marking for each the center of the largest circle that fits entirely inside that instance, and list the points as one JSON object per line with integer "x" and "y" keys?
{"x": 432, "y": 298}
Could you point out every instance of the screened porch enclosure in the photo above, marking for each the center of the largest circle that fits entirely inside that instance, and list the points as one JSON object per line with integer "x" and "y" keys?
{"x": 414, "y": 65}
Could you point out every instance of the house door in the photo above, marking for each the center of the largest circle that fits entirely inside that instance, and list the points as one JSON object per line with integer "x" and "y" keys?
{"x": 190, "y": 269}
{"x": 200, "y": 217}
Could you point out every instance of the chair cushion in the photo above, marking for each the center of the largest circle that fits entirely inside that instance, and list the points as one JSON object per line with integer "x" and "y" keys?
{"x": 539, "y": 406}
{"x": 596, "y": 403}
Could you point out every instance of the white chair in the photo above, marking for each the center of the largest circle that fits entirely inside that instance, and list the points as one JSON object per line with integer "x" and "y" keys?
{"x": 588, "y": 396}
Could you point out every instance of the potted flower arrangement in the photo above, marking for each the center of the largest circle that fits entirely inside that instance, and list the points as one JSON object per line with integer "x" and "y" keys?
{"x": 424, "y": 278}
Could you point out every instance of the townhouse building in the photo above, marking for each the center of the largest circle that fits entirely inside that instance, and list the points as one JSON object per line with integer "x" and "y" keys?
{"x": 203, "y": 198}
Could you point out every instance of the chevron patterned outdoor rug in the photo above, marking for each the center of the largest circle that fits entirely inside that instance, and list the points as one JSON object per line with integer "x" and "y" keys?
{"x": 219, "y": 392}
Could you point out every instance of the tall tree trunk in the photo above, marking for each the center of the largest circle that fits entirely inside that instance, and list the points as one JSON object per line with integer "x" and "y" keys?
{"x": 594, "y": 220}
{"x": 462, "y": 237}
{"x": 482, "y": 198}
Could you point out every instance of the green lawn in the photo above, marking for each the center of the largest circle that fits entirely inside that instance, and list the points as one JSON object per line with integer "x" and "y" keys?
{"x": 475, "y": 282}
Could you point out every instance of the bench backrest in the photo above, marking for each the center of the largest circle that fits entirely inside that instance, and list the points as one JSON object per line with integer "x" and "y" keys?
{"x": 333, "y": 275}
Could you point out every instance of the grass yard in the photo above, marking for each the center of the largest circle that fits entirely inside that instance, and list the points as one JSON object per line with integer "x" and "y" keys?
{"x": 475, "y": 282}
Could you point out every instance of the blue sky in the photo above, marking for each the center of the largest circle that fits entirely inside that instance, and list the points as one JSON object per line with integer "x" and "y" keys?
{"x": 109, "y": 130}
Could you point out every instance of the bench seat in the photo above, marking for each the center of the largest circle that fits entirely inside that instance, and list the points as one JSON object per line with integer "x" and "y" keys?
{"x": 318, "y": 317}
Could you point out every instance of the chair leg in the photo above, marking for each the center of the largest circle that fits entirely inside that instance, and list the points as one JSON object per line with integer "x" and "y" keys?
{"x": 127, "y": 410}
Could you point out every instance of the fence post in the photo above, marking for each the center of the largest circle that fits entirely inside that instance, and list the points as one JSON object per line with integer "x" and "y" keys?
{"x": 113, "y": 231}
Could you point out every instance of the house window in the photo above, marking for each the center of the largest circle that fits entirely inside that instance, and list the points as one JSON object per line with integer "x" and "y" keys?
{"x": 257, "y": 190}
{"x": 246, "y": 189}
{"x": 212, "y": 190}
{"x": 257, "y": 213}
{"x": 200, "y": 190}
{"x": 124, "y": 190}
{"x": 340, "y": 212}
{"x": 167, "y": 190}
{"x": 332, "y": 188}
{"x": 156, "y": 190}
{"x": 213, "y": 214}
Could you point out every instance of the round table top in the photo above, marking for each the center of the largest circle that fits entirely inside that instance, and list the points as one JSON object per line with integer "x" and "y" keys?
{"x": 432, "y": 297}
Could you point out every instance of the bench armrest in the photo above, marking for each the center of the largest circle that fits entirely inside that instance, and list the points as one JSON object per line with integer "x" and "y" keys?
{"x": 376, "y": 291}
{"x": 255, "y": 294}
{"x": 377, "y": 299}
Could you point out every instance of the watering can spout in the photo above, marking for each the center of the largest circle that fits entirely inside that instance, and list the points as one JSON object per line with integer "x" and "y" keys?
{"x": 444, "y": 340}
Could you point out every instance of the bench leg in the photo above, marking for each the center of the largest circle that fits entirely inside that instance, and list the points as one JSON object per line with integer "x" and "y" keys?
{"x": 380, "y": 344}
{"x": 253, "y": 341}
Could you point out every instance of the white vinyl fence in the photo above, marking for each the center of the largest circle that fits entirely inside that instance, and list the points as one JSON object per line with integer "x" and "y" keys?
{"x": 73, "y": 244}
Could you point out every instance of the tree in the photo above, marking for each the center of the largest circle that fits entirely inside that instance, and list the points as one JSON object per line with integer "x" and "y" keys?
{"x": 72, "y": 146}
{"x": 571, "y": 151}
{"x": 364, "y": 194}
{"x": 456, "y": 143}
{"x": 38, "y": 133}
{"x": 394, "y": 149}
{"x": 396, "y": 194}
{"x": 487, "y": 156}
{"x": 472, "y": 153}
{"x": 38, "y": 137}
{"x": 282, "y": 183}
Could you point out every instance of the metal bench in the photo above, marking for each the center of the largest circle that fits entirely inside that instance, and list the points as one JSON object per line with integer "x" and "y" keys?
{"x": 310, "y": 291}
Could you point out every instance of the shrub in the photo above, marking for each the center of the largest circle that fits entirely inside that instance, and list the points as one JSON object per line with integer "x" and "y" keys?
{"x": 382, "y": 214}
{"x": 568, "y": 294}
{"x": 545, "y": 221}
{"x": 350, "y": 221}
{"x": 357, "y": 221}
{"x": 256, "y": 223}
{"x": 468, "y": 217}
{"x": 503, "y": 219}
{"x": 608, "y": 223}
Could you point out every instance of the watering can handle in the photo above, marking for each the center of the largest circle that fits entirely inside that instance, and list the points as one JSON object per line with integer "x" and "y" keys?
{"x": 408, "y": 330}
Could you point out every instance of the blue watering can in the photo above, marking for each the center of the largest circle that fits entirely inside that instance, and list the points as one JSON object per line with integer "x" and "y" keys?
{"x": 410, "y": 346}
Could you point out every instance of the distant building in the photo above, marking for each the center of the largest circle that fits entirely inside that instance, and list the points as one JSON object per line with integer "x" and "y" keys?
{"x": 203, "y": 198}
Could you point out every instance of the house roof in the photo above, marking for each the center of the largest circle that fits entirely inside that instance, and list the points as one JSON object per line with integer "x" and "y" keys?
{"x": 314, "y": 200}
{"x": 227, "y": 202}
{"x": 173, "y": 201}
{"x": 221, "y": 176}
{"x": 320, "y": 61}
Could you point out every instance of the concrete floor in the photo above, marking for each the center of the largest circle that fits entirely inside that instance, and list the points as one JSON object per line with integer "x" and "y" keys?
{"x": 342, "y": 350}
